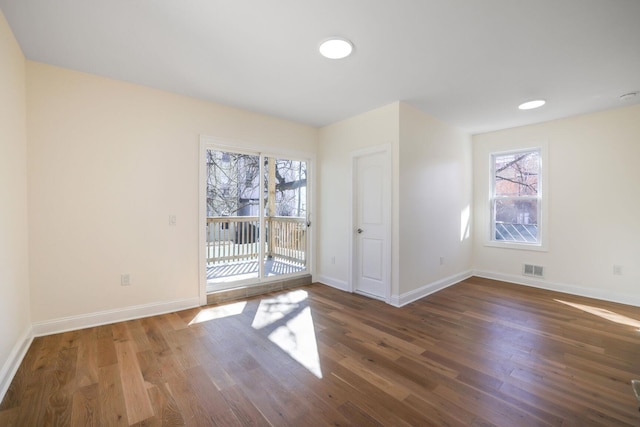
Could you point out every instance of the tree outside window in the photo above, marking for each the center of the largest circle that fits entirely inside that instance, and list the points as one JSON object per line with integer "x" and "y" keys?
{"x": 515, "y": 197}
{"x": 233, "y": 185}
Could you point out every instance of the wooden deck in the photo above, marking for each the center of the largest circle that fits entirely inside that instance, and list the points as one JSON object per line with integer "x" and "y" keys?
{"x": 479, "y": 353}
{"x": 223, "y": 275}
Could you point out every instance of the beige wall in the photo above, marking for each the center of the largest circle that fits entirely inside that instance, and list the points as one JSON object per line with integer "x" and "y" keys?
{"x": 593, "y": 204}
{"x": 108, "y": 163}
{"x": 14, "y": 274}
{"x": 336, "y": 144}
{"x": 426, "y": 215}
{"x": 435, "y": 200}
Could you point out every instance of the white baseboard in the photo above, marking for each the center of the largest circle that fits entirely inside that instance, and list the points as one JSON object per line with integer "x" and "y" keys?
{"x": 334, "y": 283}
{"x": 423, "y": 291}
{"x": 89, "y": 320}
{"x": 12, "y": 364}
{"x": 600, "y": 294}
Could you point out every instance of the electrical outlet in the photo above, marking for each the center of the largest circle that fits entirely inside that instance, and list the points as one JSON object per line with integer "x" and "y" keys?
{"x": 441, "y": 260}
{"x": 172, "y": 220}
{"x": 617, "y": 270}
{"x": 125, "y": 280}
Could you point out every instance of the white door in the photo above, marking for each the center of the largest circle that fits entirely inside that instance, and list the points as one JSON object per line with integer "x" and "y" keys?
{"x": 372, "y": 225}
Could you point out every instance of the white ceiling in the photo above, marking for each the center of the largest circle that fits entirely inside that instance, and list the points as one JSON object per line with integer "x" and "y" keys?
{"x": 467, "y": 62}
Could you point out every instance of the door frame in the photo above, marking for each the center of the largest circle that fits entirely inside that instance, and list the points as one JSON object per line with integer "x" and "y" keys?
{"x": 209, "y": 142}
{"x": 386, "y": 150}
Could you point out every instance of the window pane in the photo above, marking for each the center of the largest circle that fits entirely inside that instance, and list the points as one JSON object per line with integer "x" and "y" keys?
{"x": 285, "y": 202}
{"x": 516, "y": 220}
{"x": 290, "y": 198}
{"x": 516, "y": 174}
{"x": 233, "y": 182}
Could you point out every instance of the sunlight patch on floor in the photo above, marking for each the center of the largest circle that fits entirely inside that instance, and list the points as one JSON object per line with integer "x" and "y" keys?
{"x": 219, "y": 312}
{"x": 603, "y": 313}
{"x": 298, "y": 339}
{"x": 293, "y": 329}
{"x": 273, "y": 309}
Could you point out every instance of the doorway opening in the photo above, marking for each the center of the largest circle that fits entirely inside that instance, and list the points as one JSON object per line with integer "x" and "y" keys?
{"x": 257, "y": 218}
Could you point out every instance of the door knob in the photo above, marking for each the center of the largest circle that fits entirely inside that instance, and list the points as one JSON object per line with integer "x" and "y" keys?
{"x": 360, "y": 230}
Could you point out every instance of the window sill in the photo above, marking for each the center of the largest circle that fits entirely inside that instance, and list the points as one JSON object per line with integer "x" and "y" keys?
{"x": 537, "y": 247}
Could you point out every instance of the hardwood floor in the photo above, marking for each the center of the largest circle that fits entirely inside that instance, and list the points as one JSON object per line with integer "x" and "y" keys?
{"x": 479, "y": 353}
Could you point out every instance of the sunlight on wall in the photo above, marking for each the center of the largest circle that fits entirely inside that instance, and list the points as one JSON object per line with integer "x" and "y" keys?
{"x": 219, "y": 312}
{"x": 289, "y": 317}
{"x": 605, "y": 314}
{"x": 465, "y": 223}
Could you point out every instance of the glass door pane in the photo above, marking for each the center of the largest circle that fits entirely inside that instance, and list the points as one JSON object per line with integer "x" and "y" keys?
{"x": 285, "y": 216}
{"x": 233, "y": 221}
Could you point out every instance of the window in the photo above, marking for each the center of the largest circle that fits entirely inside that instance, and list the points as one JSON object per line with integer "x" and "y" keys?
{"x": 516, "y": 197}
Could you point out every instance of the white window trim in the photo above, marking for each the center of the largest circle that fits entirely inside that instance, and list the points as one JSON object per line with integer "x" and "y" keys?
{"x": 543, "y": 196}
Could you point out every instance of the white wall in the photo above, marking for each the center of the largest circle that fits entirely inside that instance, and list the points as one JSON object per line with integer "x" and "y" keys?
{"x": 435, "y": 201}
{"x": 15, "y": 322}
{"x": 108, "y": 163}
{"x": 336, "y": 144}
{"x": 593, "y": 204}
{"x": 426, "y": 214}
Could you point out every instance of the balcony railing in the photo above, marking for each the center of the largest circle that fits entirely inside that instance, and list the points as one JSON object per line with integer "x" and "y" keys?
{"x": 236, "y": 239}
{"x": 232, "y": 238}
{"x": 287, "y": 238}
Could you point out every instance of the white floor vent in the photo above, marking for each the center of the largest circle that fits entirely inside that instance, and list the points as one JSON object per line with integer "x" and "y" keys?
{"x": 533, "y": 270}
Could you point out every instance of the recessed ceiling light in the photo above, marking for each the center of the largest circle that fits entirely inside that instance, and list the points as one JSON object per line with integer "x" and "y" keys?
{"x": 336, "y": 48}
{"x": 530, "y": 105}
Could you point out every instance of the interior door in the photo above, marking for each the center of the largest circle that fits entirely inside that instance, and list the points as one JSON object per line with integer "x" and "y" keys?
{"x": 372, "y": 225}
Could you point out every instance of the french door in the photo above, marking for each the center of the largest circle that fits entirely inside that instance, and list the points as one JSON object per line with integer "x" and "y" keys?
{"x": 257, "y": 217}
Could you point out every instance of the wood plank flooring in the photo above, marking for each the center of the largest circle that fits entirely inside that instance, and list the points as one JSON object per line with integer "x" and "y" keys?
{"x": 479, "y": 353}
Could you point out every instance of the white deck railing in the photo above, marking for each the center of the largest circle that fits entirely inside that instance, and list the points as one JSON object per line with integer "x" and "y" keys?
{"x": 231, "y": 239}
{"x": 288, "y": 238}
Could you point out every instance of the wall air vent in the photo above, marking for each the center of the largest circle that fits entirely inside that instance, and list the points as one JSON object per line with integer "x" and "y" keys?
{"x": 533, "y": 270}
